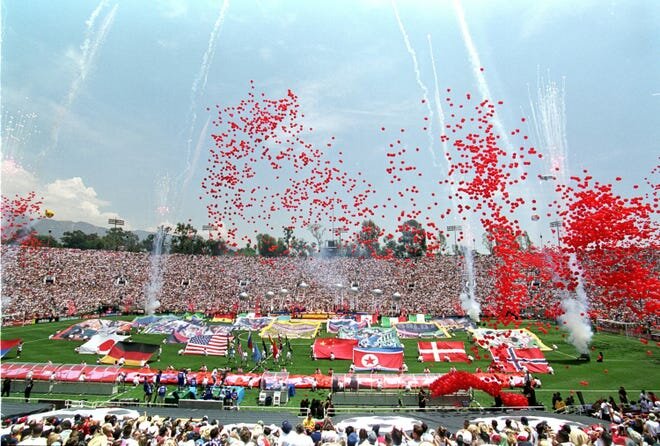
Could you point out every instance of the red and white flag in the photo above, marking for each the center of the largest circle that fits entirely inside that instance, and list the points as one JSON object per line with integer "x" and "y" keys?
{"x": 323, "y": 348}
{"x": 390, "y": 359}
{"x": 442, "y": 351}
{"x": 520, "y": 359}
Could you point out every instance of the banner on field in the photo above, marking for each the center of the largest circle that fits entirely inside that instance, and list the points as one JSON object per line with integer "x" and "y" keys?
{"x": 387, "y": 359}
{"x": 334, "y": 325}
{"x": 88, "y": 328}
{"x": 133, "y": 353}
{"x": 306, "y": 329}
{"x": 373, "y": 337}
{"x": 100, "y": 344}
{"x": 325, "y": 348}
{"x": 442, "y": 351}
{"x": 451, "y": 324}
{"x": 244, "y": 323}
{"x": 516, "y": 338}
{"x": 520, "y": 359}
{"x": 420, "y": 330}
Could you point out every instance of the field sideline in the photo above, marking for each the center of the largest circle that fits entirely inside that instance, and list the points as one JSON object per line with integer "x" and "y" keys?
{"x": 628, "y": 362}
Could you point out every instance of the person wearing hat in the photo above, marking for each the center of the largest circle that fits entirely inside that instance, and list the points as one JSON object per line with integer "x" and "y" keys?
{"x": 352, "y": 439}
{"x": 289, "y": 436}
{"x": 652, "y": 427}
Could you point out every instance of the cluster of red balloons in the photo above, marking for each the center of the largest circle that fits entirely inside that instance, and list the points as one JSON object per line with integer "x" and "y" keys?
{"x": 263, "y": 140}
{"x": 457, "y": 380}
{"x": 263, "y": 166}
{"x": 18, "y": 213}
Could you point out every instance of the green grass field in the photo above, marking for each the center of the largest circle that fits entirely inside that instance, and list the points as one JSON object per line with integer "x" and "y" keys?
{"x": 628, "y": 362}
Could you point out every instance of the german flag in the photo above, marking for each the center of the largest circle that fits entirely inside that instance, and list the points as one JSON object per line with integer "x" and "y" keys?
{"x": 134, "y": 353}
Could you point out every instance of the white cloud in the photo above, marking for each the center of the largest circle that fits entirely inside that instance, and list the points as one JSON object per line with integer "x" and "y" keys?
{"x": 69, "y": 198}
{"x": 173, "y": 9}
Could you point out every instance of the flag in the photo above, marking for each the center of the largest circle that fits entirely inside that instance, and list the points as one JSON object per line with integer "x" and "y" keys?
{"x": 239, "y": 349}
{"x": 341, "y": 348}
{"x": 279, "y": 342}
{"x": 519, "y": 359}
{"x": 442, "y": 351}
{"x": 264, "y": 347}
{"x": 275, "y": 350}
{"x": 256, "y": 354}
{"x": 212, "y": 345}
{"x": 288, "y": 343}
{"x": 390, "y": 359}
{"x": 6, "y": 345}
{"x": 249, "y": 342}
{"x": 134, "y": 353}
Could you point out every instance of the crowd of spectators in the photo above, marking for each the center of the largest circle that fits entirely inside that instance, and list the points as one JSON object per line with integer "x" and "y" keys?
{"x": 635, "y": 430}
{"x": 39, "y": 281}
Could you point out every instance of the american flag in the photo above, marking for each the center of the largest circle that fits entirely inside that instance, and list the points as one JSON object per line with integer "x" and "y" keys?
{"x": 212, "y": 345}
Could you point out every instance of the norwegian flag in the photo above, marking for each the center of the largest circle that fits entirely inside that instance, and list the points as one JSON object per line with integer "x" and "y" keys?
{"x": 519, "y": 359}
{"x": 212, "y": 345}
{"x": 442, "y": 351}
{"x": 390, "y": 359}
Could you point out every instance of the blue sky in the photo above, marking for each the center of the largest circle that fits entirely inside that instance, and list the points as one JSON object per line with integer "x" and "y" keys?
{"x": 103, "y": 130}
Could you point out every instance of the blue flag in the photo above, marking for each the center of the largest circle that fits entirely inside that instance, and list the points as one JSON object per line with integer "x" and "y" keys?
{"x": 256, "y": 354}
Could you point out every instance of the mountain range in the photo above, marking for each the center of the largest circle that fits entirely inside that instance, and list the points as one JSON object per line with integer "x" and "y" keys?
{"x": 57, "y": 228}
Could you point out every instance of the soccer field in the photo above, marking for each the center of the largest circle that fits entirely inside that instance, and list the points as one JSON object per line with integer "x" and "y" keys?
{"x": 628, "y": 362}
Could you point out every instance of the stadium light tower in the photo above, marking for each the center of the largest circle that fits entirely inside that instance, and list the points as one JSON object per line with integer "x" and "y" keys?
{"x": 355, "y": 290}
{"x": 397, "y": 298}
{"x": 556, "y": 225}
{"x": 283, "y": 292}
{"x": 375, "y": 293}
{"x": 302, "y": 287}
{"x": 116, "y": 222}
{"x": 340, "y": 291}
{"x": 208, "y": 228}
{"x": 455, "y": 229}
{"x": 269, "y": 297}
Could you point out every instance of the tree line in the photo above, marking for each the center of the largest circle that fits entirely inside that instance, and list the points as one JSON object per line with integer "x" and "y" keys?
{"x": 370, "y": 241}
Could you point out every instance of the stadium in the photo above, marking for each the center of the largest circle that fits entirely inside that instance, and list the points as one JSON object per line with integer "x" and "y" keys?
{"x": 271, "y": 223}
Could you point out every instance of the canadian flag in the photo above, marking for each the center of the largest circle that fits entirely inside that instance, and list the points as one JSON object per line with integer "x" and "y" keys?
{"x": 390, "y": 359}
{"x": 442, "y": 351}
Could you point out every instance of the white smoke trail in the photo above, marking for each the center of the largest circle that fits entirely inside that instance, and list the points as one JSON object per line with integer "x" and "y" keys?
{"x": 468, "y": 296}
{"x": 156, "y": 266}
{"x": 159, "y": 250}
{"x": 199, "y": 83}
{"x": 198, "y": 150}
{"x": 418, "y": 78}
{"x": 89, "y": 49}
{"x": 438, "y": 102}
{"x": 575, "y": 318}
{"x": 549, "y": 120}
{"x": 475, "y": 61}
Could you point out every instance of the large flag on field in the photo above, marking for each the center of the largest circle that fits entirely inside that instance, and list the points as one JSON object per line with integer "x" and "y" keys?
{"x": 442, "y": 351}
{"x": 211, "y": 345}
{"x": 390, "y": 359}
{"x": 420, "y": 330}
{"x": 100, "y": 344}
{"x": 517, "y": 338}
{"x": 306, "y": 329}
{"x": 134, "y": 353}
{"x": 6, "y": 345}
{"x": 518, "y": 359}
{"x": 341, "y": 348}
